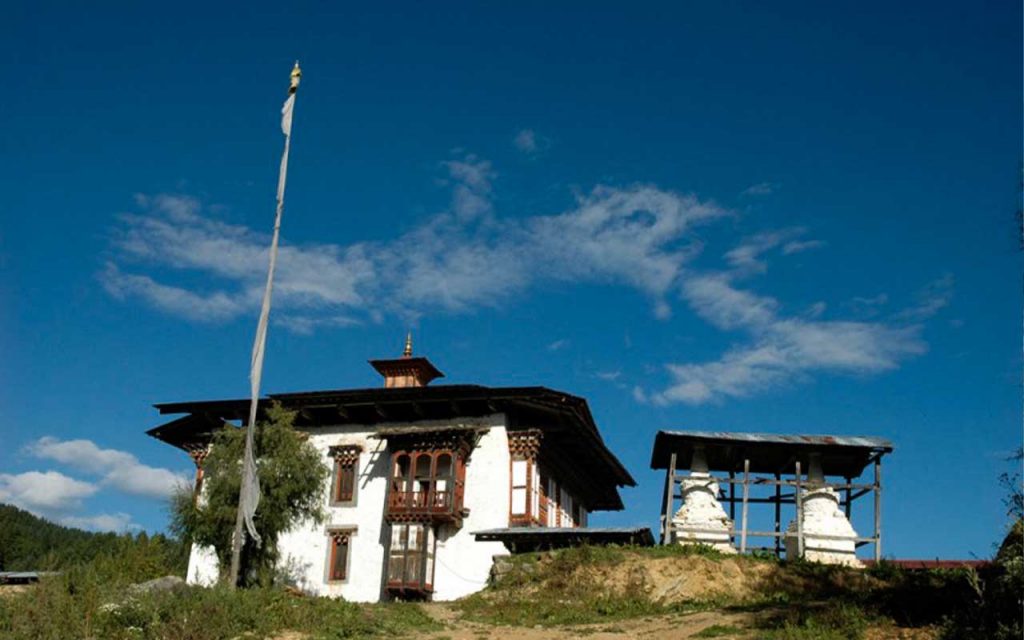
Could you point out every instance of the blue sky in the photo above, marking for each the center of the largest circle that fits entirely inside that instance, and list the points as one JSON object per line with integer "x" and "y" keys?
{"x": 721, "y": 216}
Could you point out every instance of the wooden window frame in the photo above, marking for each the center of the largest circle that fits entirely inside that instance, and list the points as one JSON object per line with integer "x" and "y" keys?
{"x": 346, "y": 462}
{"x": 336, "y": 539}
{"x": 426, "y": 555}
{"x": 405, "y": 492}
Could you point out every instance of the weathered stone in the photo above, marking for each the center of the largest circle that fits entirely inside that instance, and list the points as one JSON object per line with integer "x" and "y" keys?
{"x": 166, "y": 583}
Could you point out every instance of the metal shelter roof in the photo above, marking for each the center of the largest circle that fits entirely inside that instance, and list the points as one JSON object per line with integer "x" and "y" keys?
{"x": 844, "y": 456}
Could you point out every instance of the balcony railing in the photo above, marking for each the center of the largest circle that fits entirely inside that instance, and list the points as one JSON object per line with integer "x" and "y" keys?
{"x": 435, "y": 506}
{"x": 426, "y": 502}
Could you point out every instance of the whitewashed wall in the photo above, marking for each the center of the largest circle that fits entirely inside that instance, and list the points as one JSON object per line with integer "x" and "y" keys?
{"x": 462, "y": 564}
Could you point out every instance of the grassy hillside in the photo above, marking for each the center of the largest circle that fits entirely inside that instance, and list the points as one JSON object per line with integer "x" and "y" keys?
{"x": 29, "y": 543}
{"x": 596, "y": 592}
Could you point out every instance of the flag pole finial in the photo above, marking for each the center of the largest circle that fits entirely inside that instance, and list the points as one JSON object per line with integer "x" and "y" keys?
{"x": 296, "y": 76}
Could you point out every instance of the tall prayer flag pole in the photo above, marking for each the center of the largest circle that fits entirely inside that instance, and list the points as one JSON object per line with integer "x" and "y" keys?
{"x": 249, "y": 492}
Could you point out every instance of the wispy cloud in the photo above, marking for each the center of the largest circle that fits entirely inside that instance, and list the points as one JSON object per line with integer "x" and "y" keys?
{"x": 467, "y": 257}
{"x": 116, "y": 469}
{"x": 780, "y": 349}
{"x": 530, "y": 142}
{"x": 934, "y": 297}
{"x": 558, "y": 345}
{"x": 119, "y": 521}
{"x": 746, "y": 258}
{"x": 459, "y": 259}
{"x": 760, "y": 189}
{"x": 798, "y": 246}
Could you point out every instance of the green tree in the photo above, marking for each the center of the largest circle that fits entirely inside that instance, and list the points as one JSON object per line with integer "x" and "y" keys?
{"x": 292, "y": 474}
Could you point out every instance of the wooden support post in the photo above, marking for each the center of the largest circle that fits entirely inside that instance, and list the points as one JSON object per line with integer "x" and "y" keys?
{"x": 778, "y": 515}
{"x": 670, "y": 489}
{"x": 799, "y": 515}
{"x": 878, "y": 509}
{"x": 732, "y": 497}
{"x": 746, "y": 494}
{"x": 849, "y": 494}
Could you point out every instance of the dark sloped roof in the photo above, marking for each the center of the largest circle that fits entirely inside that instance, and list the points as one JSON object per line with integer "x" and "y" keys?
{"x": 769, "y": 452}
{"x": 564, "y": 419}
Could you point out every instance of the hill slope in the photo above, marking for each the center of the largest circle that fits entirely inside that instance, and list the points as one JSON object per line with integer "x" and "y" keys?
{"x": 28, "y": 542}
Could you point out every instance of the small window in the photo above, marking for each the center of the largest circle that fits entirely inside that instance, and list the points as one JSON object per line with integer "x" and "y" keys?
{"x": 338, "y": 567}
{"x": 345, "y": 484}
{"x": 346, "y": 470}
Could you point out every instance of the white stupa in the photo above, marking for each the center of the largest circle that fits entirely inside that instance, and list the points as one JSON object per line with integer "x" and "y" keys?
{"x": 701, "y": 519}
{"x": 829, "y": 537}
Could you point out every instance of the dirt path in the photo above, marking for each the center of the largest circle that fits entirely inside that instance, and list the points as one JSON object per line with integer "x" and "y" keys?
{"x": 669, "y": 626}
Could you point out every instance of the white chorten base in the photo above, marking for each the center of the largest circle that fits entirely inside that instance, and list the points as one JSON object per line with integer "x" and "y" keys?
{"x": 823, "y": 517}
{"x": 701, "y": 519}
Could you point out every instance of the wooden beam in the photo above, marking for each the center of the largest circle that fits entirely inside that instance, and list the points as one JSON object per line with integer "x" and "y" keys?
{"x": 849, "y": 492}
{"x": 746, "y": 494}
{"x": 878, "y": 509}
{"x": 799, "y": 516}
{"x": 778, "y": 515}
{"x": 732, "y": 496}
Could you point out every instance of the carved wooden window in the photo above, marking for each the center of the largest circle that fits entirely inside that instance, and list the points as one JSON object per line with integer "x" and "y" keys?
{"x": 520, "y": 487}
{"x": 524, "y": 498}
{"x": 338, "y": 565}
{"x": 346, "y": 470}
{"x": 411, "y": 557}
{"x": 426, "y": 481}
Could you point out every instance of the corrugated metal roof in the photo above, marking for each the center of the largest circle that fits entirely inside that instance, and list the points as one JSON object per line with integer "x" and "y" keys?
{"x": 782, "y": 438}
{"x": 537, "y": 531}
{"x": 769, "y": 452}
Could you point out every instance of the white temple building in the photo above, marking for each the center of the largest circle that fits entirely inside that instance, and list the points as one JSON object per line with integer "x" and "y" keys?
{"x": 417, "y": 470}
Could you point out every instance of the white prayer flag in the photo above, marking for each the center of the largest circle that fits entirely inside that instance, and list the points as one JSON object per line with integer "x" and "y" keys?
{"x": 249, "y": 494}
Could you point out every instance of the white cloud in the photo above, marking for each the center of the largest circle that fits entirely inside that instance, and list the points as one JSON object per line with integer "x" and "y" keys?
{"x": 934, "y": 297}
{"x": 798, "y": 246}
{"x": 472, "y": 191}
{"x": 455, "y": 261}
{"x": 530, "y": 142}
{"x": 715, "y": 299}
{"x": 116, "y": 522}
{"x": 780, "y": 349}
{"x": 44, "y": 491}
{"x": 526, "y": 141}
{"x": 760, "y": 189}
{"x": 609, "y": 376}
{"x": 746, "y": 258}
{"x": 558, "y": 344}
{"x": 117, "y": 469}
{"x": 468, "y": 257}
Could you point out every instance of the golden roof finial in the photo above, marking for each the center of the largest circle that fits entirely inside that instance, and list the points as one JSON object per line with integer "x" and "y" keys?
{"x": 296, "y": 76}
{"x": 408, "y": 346}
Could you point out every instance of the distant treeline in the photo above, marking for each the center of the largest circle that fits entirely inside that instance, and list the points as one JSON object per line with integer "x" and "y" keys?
{"x": 30, "y": 543}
